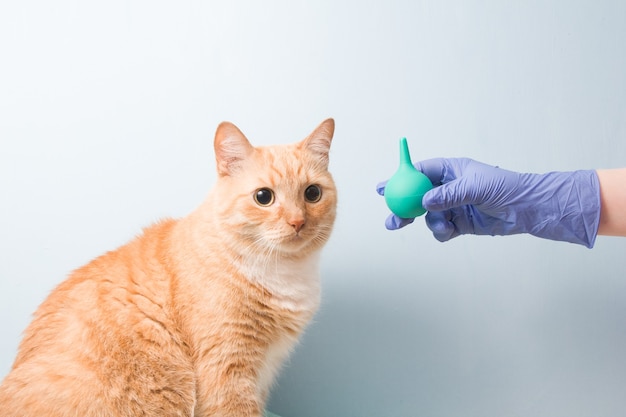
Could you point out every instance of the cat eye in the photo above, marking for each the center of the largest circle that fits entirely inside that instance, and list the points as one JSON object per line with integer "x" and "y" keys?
{"x": 313, "y": 193}
{"x": 264, "y": 197}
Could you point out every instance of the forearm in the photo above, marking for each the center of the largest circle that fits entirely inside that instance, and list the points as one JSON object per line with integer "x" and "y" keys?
{"x": 613, "y": 202}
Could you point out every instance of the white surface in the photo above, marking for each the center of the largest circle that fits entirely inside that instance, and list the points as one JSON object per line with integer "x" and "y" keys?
{"x": 107, "y": 114}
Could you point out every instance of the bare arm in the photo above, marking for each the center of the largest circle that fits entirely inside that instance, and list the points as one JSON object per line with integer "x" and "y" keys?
{"x": 613, "y": 202}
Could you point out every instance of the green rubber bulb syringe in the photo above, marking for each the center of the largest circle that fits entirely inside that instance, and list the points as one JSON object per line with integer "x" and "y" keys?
{"x": 405, "y": 189}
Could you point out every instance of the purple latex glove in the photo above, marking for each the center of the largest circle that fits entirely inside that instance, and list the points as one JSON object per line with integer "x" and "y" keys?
{"x": 474, "y": 198}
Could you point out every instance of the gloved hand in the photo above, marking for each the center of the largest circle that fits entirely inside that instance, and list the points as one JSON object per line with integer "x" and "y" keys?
{"x": 474, "y": 198}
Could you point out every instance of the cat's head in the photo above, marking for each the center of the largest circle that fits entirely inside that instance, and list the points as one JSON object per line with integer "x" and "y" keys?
{"x": 278, "y": 199}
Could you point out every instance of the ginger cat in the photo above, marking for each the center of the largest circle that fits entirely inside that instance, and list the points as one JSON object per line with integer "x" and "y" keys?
{"x": 195, "y": 316}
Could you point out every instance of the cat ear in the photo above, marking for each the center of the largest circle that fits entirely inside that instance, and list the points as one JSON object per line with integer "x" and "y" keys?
{"x": 231, "y": 148}
{"x": 318, "y": 142}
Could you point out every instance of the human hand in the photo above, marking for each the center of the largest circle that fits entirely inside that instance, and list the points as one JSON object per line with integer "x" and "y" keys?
{"x": 475, "y": 198}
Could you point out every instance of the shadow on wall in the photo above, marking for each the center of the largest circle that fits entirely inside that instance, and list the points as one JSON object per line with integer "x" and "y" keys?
{"x": 345, "y": 361}
{"x": 457, "y": 347}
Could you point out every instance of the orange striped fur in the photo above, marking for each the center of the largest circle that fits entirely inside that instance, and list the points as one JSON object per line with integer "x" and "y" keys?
{"x": 195, "y": 316}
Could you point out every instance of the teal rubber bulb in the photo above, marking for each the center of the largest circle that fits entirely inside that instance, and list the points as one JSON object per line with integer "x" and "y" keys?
{"x": 406, "y": 188}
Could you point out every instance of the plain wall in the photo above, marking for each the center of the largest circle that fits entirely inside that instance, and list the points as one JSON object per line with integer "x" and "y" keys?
{"x": 107, "y": 116}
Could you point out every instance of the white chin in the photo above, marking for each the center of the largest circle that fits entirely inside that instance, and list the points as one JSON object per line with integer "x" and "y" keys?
{"x": 294, "y": 244}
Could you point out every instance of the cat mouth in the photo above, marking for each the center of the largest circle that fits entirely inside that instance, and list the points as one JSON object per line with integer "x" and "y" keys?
{"x": 297, "y": 239}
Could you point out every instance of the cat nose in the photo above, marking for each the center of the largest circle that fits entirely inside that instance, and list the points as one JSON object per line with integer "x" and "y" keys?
{"x": 297, "y": 224}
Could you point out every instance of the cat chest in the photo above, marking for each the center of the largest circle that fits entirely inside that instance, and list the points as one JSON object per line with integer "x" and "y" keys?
{"x": 293, "y": 287}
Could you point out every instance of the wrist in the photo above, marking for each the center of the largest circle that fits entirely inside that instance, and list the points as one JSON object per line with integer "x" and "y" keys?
{"x": 571, "y": 207}
{"x": 612, "y": 202}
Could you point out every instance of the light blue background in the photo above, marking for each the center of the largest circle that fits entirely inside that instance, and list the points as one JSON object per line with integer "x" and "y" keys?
{"x": 107, "y": 115}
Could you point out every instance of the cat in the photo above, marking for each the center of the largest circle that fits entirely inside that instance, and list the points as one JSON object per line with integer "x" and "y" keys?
{"x": 195, "y": 316}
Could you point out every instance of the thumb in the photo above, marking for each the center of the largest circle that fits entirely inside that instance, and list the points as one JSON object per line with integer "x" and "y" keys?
{"x": 448, "y": 196}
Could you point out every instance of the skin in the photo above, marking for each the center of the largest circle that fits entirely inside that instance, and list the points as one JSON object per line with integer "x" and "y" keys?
{"x": 613, "y": 202}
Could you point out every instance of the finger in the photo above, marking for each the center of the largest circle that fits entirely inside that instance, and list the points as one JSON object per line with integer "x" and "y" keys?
{"x": 380, "y": 187}
{"x": 394, "y": 222}
{"x": 433, "y": 168}
{"x": 449, "y": 196}
{"x": 442, "y": 170}
{"x": 440, "y": 224}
